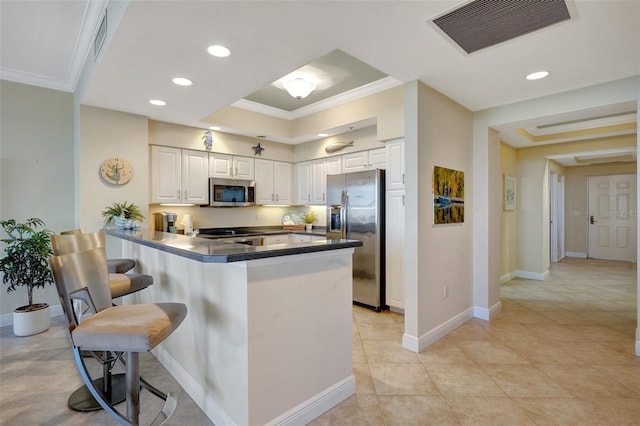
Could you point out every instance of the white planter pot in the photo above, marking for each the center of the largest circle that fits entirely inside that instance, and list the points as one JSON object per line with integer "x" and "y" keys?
{"x": 33, "y": 322}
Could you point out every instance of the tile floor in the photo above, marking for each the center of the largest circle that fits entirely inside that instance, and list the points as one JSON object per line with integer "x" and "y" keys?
{"x": 560, "y": 353}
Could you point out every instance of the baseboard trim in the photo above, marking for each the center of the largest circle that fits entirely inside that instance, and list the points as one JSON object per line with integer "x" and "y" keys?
{"x": 318, "y": 404}
{"x": 303, "y": 413}
{"x": 507, "y": 277}
{"x": 540, "y": 276}
{"x": 576, "y": 254}
{"x": 487, "y": 314}
{"x": 418, "y": 344}
{"x": 7, "y": 319}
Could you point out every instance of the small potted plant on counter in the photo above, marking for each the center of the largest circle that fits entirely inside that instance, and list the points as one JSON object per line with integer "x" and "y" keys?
{"x": 308, "y": 219}
{"x": 124, "y": 215}
{"x": 26, "y": 264}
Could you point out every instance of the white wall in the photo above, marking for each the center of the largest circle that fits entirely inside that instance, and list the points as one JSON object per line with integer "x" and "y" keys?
{"x": 36, "y": 167}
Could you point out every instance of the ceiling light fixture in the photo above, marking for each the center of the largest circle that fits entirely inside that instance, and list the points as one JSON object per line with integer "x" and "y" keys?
{"x": 299, "y": 87}
{"x": 537, "y": 75}
{"x": 157, "y": 102}
{"x": 323, "y": 135}
{"x": 219, "y": 51}
{"x": 180, "y": 81}
{"x": 215, "y": 127}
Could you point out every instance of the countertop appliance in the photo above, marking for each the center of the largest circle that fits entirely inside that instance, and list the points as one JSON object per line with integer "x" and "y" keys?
{"x": 231, "y": 192}
{"x": 233, "y": 236}
{"x": 355, "y": 210}
{"x": 165, "y": 221}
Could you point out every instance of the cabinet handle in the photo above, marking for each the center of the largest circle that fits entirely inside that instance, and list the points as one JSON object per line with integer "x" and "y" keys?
{"x": 178, "y": 194}
{"x": 236, "y": 170}
{"x": 186, "y": 197}
{"x": 403, "y": 178}
{"x": 277, "y": 199}
{"x": 403, "y": 200}
{"x": 323, "y": 196}
{"x": 309, "y": 197}
{"x": 273, "y": 197}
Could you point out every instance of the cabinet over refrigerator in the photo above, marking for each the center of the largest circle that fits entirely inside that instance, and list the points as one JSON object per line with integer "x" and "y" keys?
{"x": 355, "y": 210}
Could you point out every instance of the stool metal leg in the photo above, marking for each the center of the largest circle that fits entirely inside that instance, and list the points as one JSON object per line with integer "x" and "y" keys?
{"x": 133, "y": 386}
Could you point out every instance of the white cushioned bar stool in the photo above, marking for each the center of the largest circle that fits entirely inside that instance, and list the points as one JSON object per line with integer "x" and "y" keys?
{"x": 121, "y": 331}
{"x": 119, "y": 285}
{"x": 115, "y": 266}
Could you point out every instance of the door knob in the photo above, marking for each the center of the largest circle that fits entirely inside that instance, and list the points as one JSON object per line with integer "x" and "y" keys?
{"x": 591, "y": 220}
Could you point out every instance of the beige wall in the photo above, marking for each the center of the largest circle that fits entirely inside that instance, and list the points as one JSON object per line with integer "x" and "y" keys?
{"x": 437, "y": 256}
{"x": 576, "y": 201}
{"x": 105, "y": 134}
{"x": 508, "y": 236}
{"x": 36, "y": 167}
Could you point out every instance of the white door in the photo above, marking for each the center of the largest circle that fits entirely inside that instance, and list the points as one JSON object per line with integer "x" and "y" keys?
{"x": 220, "y": 165}
{"x": 394, "y": 249}
{"x": 166, "y": 174}
{"x": 244, "y": 168}
{"x": 195, "y": 177}
{"x": 264, "y": 182}
{"x": 612, "y": 217}
{"x": 282, "y": 182}
{"x": 378, "y": 158}
{"x": 303, "y": 182}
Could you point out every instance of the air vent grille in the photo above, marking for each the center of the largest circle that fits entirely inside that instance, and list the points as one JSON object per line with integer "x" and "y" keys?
{"x": 101, "y": 34}
{"x": 483, "y": 23}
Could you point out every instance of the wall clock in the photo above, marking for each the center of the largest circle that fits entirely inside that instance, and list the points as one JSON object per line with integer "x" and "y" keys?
{"x": 116, "y": 171}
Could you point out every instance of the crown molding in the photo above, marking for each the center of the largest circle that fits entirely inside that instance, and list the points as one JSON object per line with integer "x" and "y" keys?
{"x": 342, "y": 98}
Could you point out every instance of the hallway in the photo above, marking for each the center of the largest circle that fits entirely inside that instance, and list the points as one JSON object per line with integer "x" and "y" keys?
{"x": 561, "y": 352}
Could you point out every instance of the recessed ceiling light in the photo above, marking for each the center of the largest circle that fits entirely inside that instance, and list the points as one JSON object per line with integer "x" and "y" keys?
{"x": 180, "y": 81}
{"x": 219, "y": 51}
{"x": 215, "y": 127}
{"x": 537, "y": 75}
{"x": 157, "y": 102}
{"x": 323, "y": 135}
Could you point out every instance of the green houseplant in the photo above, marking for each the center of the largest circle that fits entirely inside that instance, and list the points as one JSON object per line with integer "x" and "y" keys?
{"x": 124, "y": 214}
{"x": 26, "y": 264}
{"x": 308, "y": 218}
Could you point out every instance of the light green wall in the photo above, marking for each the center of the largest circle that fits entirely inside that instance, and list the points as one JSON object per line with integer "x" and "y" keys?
{"x": 36, "y": 166}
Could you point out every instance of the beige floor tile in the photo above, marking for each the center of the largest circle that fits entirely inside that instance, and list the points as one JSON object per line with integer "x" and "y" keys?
{"x": 627, "y": 375}
{"x": 357, "y": 352}
{"x": 554, "y": 331}
{"x": 541, "y": 351}
{"x": 416, "y": 411}
{"x": 356, "y": 410}
{"x": 556, "y": 411}
{"x": 463, "y": 380}
{"x": 487, "y": 352}
{"x": 524, "y": 381}
{"x": 587, "y": 382}
{"x": 386, "y": 351}
{"x": 402, "y": 379}
{"x": 381, "y": 331}
{"x": 444, "y": 351}
{"x": 364, "y": 382}
{"x": 600, "y": 333}
{"x": 489, "y": 411}
{"x": 612, "y": 411}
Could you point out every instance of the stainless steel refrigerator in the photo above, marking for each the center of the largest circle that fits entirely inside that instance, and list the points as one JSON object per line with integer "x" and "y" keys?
{"x": 355, "y": 210}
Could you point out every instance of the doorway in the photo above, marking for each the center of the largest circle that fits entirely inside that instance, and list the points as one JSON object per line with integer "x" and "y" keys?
{"x": 612, "y": 217}
{"x": 556, "y": 217}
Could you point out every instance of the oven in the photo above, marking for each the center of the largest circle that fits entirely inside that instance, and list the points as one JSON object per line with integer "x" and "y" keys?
{"x": 232, "y": 192}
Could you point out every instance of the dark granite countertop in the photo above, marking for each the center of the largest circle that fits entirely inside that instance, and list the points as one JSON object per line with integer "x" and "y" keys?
{"x": 220, "y": 251}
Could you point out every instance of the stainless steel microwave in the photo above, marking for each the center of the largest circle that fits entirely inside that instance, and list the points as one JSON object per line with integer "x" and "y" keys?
{"x": 231, "y": 192}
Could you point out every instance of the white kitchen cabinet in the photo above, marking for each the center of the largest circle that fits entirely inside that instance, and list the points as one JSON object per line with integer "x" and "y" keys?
{"x": 301, "y": 238}
{"x": 395, "y": 165}
{"x": 231, "y": 167}
{"x": 364, "y": 160}
{"x": 273, "y": 182}
{"x": 276, "y": 239}
{"x": 195, "y": 177}
{"x": 303, "y": 179}
{"x": 394, "y": 241}
{"x": 179, "y": 175}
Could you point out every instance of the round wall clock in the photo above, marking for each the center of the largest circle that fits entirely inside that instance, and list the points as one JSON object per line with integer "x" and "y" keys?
{"x": 116, "y": 171}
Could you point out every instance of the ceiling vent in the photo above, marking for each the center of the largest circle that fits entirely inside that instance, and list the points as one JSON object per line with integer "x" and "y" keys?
{"x": 101, "y": 34}
{"x": 483, "y": 23}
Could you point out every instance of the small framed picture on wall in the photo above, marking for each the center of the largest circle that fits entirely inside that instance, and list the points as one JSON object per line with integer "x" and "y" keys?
{"x": 509, "y": 192}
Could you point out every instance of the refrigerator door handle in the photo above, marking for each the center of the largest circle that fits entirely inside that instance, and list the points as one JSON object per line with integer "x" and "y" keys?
{"x": 343, "y": 214}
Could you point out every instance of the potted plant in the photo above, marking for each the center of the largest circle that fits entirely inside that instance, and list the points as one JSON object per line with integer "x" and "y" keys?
{"x": 26, "y": 264}
{"x": 124, "y": 215}
{"x": 308, "y": 218}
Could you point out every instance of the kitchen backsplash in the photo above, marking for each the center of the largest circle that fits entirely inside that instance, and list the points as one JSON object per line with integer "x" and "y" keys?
{"x": 208, "y": 217}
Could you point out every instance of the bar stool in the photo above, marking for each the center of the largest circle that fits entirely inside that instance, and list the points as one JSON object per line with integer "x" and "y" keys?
{"x": 121, "y": 331}
{"x": 120, "y": 284}
{"x": 116, "y": 266}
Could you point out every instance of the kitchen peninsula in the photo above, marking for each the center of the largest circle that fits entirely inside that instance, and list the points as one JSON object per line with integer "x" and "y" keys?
{"x": 267, "y": 338}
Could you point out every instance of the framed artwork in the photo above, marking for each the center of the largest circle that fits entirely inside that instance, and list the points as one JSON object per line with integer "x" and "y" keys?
{"x": 509, "y": 192}
{"x": 448, "y": 196}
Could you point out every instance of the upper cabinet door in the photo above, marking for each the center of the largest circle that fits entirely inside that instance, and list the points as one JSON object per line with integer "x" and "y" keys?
{"x": 195, "y": 174}
{"x": 333, "y": 165}
{"x": 282, "y": 182}
{"x": 303, "y": 182}
{"x": 264, "y": 181}
{"x": 220, "y": 165}
{"x": 166, "y": 174}
{"x": 319, "y": 181}
{"x": 244, "y": 168}
{"x": 395, "y": 165}
{"x": 355, "y": 161}
{"x": 378, "y": 158}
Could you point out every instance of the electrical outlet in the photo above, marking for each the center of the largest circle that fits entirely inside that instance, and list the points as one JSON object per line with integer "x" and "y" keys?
{"x": 445, "y": 291}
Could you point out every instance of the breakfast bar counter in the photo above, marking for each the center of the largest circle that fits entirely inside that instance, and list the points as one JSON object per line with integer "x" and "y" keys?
{"x": 268, "y": 333}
